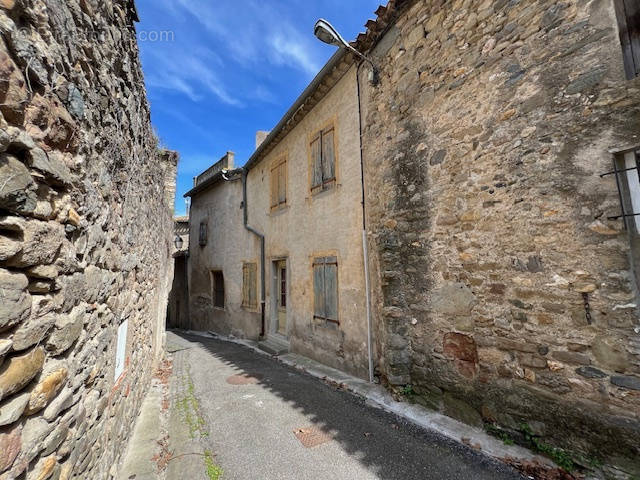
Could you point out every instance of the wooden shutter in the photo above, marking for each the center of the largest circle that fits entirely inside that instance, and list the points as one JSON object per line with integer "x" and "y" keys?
{"x": 318, "y": 288}
{"x": 253, "y": 285}
{"x": 328, "y": 156}
{"x": 274, "y": 187}
{"x": 331, "y": 289}
{"x": 316, "y": 163}
{"x": 245, "y": 285}
{"x": 325, "y": 288}
{"x": 282, "y": 183}
{"x": 628, "y": 13}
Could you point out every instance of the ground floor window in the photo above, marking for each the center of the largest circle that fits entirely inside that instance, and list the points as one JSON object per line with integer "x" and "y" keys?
{"x": 325, "y": 288}
{"x": 217, "y": 279}
{"x": 249, "y": 285}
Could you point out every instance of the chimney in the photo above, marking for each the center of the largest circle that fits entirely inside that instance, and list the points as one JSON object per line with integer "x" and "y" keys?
{"x": 260, "y": 137}
{"x": 230, "y": 157}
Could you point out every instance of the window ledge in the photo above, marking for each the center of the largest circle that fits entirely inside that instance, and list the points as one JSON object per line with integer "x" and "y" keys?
{"x": 275, "y": 211}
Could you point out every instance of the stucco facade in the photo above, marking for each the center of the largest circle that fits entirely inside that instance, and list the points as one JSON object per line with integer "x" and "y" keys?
{"x": 307, "y": 226}
{"x": 317, "y": 225}
{"x": 218, "y": 209}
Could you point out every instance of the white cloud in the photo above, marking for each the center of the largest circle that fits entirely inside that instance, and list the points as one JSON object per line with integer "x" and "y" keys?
{"x": 253, "y": 32}
{"x": 192, "y": 74}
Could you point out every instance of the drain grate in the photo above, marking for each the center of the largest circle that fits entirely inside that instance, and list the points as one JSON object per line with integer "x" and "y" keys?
{"x": 311, "y": 436}
{"x": 243, "y": 379}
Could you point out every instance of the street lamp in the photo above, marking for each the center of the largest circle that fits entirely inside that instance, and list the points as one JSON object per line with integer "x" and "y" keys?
{"x": 178, "y": 242}
{"x": 325, "y": 32}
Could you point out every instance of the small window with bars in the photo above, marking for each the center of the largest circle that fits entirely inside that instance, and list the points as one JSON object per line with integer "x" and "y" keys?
{"x": 279, "y": 184}
{"x": 325, "y": 288}
{"x": 249, "y": 285}
{"x": 628, "y": 14}
{"x": 626, "y": 168}
{"x": 217, "y": 278}
{"x": 323, "y": 160}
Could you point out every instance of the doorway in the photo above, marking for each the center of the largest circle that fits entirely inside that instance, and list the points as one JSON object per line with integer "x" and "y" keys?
{"x": 280, "y": 290}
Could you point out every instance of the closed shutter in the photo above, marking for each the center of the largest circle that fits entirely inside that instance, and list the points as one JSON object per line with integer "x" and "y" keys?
{"x": 328, "y": 156}
{"x": 274, "y": 187}
{"x": 325, "y": 288}
{"x": 331, "y": 289}
{"x": 245, "y": 285}
{"x": 282, "y": 183}
{"x": 316, "y": 163}
{"x": 249, "y": 279}
{"x": 253, "y": 285}
{"x": 318, "y": 288}
{"x": 628, "y": 13}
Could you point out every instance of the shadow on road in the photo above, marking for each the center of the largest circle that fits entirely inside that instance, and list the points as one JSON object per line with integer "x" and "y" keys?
{"x": 384, "y": 443}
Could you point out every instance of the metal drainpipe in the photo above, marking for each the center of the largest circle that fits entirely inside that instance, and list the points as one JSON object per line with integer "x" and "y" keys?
{"x": 262, "y": 256}
{"x": 365, "y": 249}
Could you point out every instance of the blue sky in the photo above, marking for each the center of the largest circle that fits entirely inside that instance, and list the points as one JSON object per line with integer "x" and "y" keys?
{"x": 219, "y": 70}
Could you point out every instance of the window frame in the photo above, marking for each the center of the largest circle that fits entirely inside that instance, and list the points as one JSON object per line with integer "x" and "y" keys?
{"x": 629, "y": 42}
{"x": 215, "y": 290}
{"x": 203, "y": 233}
{"x": 327, "y": 183}
{"x": 324, "y": 260}
{"x": 249, "y": 269}
{"x": 278, "y": 166}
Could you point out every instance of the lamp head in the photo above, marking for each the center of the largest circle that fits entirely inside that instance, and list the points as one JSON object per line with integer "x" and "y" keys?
{"x": 178, "y": 242}
{"x": 325, "y": 32}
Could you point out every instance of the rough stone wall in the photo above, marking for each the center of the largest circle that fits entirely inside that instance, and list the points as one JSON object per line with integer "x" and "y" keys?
{"x": 85, "y": 236}
{"x": 488, "y": 220}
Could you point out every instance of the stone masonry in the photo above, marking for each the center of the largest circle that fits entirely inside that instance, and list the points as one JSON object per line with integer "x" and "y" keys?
{"x": 85, "y": 236}
{"x": 488, "y": 223}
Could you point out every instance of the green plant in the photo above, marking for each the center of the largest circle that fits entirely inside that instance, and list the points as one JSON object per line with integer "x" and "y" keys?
{"x": 188, "y": 405}
{"x": 499, "y": 433}
{"x": 560, "y": 456}
{"x": 407, "y": 391}
{"x": 214, "y": 472}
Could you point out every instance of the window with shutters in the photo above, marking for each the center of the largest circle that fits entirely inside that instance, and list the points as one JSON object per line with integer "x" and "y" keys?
{"x": 249, "y": 285}
{"x": 279, "y": 184}
{"x": 202, "y": 234}
{"x": 628, "y": 13}
{"x": 323, "y": 160}
{"x": 325, "y": 289}
{"x": 217, "y": 280}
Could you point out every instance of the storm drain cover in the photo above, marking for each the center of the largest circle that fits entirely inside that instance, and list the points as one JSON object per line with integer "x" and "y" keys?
{"x": 311, "y": 436}
{"x": 243, "y": 379}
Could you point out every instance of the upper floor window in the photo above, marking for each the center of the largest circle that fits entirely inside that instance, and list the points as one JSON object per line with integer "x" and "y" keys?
{"x": 323, "y": 160}
{"x": 279, "y": 184}
{"x": 628, "y": 13}
{"x": 202, "y": 234}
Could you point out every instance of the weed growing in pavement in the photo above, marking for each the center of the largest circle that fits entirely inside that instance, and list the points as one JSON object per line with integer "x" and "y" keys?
{"x": 214, "y": 472}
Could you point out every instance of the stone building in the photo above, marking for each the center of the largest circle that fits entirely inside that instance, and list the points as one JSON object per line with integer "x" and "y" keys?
{"x": 502, "y": 272}
{"x": 85, "y": 237}
{"x": 303, "y": 197}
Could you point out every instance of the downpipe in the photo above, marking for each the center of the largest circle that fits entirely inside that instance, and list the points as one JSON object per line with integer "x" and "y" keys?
{"x": 365, "y": 247}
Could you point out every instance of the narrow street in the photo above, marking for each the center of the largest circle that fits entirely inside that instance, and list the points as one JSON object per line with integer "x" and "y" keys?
{"x": 247, "y": 430}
